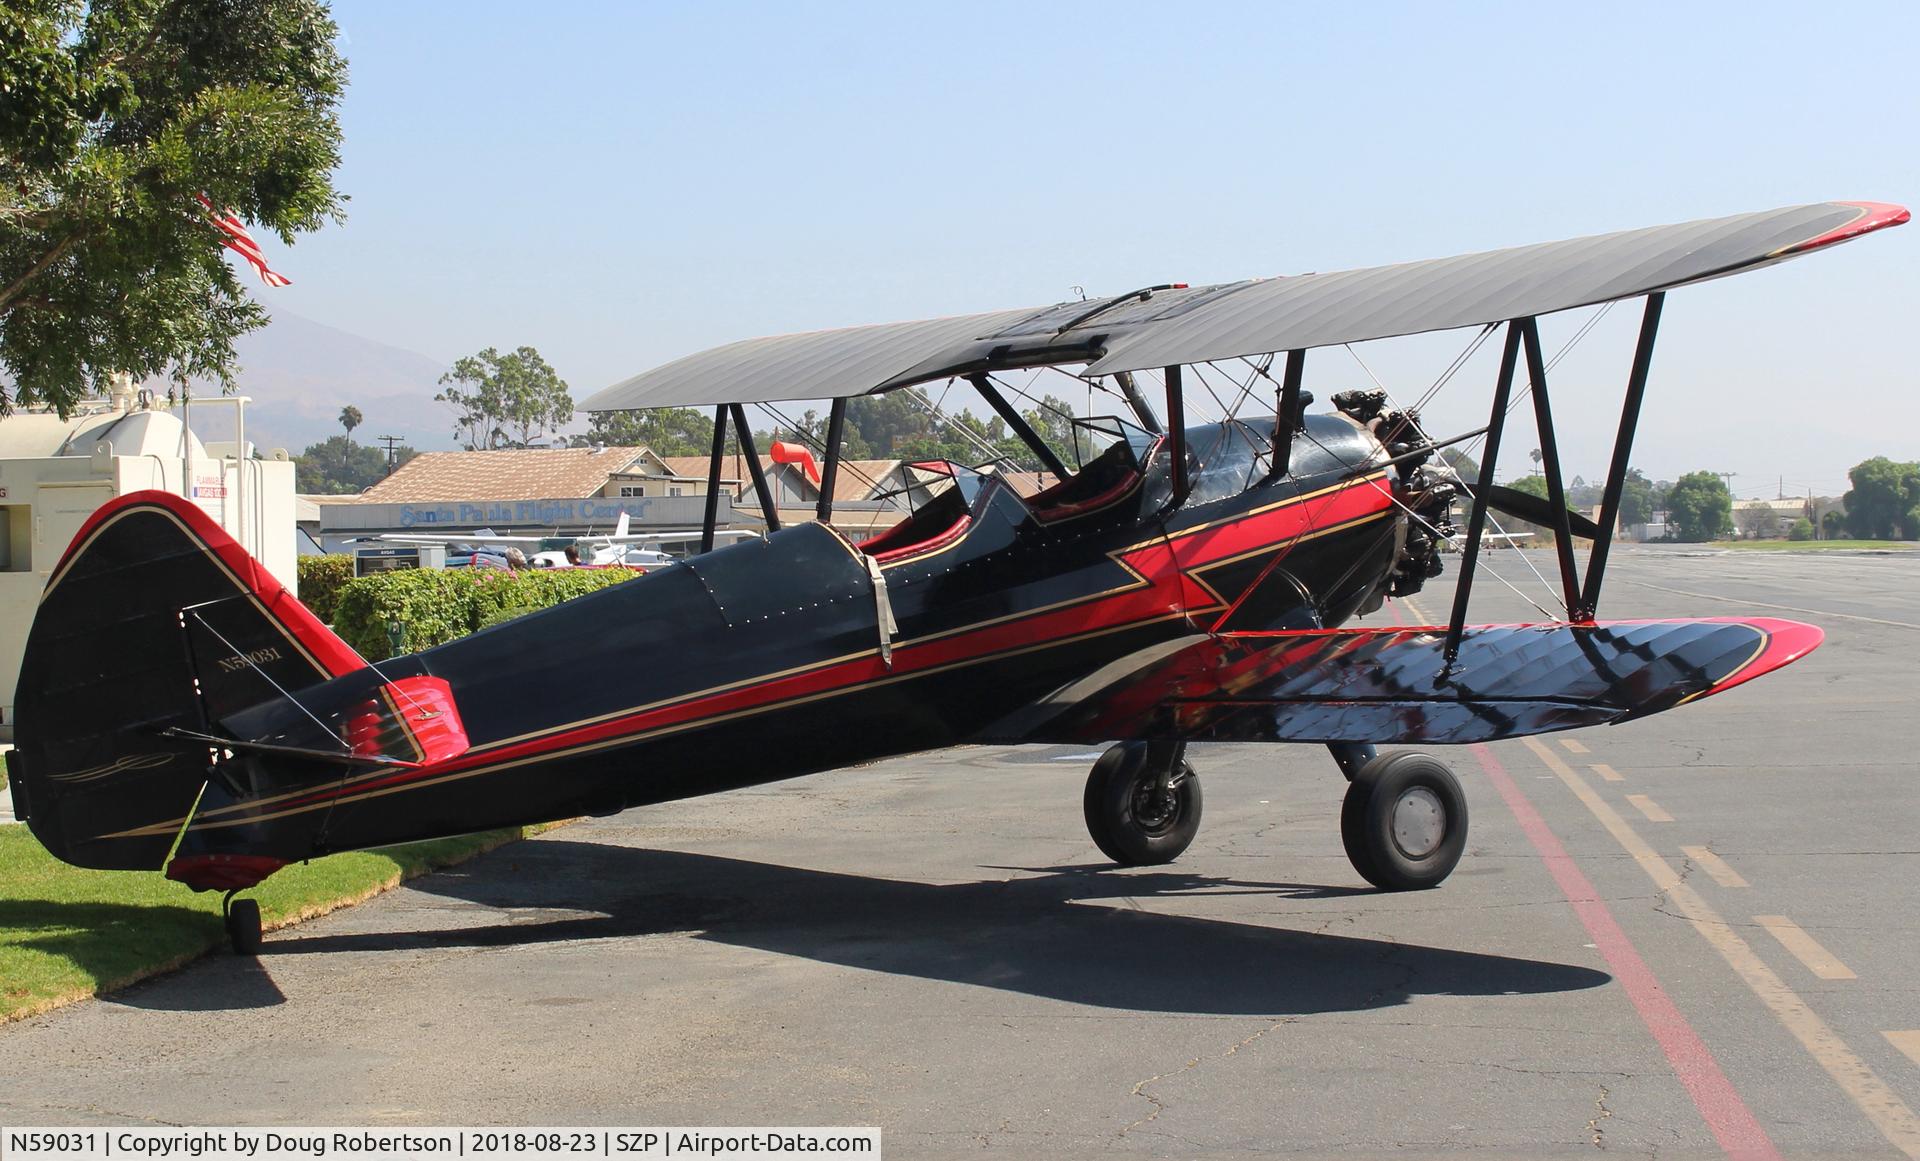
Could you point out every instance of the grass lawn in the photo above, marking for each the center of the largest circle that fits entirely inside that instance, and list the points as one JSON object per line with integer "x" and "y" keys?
{"x": 1815, "y": 545}
{"x": 67, "y": 933}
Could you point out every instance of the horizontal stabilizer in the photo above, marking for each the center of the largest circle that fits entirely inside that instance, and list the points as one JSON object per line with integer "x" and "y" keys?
{"x": 408, "y": 721}
{"x": 1393, "y": 686}
{"x": 341, "y": 757}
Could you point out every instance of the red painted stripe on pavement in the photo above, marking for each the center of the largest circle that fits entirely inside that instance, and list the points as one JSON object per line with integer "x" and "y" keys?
{"x": 1732, "y": 1123}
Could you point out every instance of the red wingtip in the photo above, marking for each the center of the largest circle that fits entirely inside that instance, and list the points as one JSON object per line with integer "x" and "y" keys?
{"x": 1786, "y": 642}
{"x": 1873, "y": 216}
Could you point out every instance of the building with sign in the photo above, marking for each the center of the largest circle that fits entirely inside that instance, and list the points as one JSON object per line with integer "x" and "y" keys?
{"x": 582, "y": 491}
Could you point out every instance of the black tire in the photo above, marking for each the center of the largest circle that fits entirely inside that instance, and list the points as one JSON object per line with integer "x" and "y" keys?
{"x": 1404, "y": 822}
{"x": 1130, "y": 821}
{"x": 243, "y": 926}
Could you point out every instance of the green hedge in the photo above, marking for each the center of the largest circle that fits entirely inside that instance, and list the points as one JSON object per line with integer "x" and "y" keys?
{"x": 321, "y": 578}
{"x": 435, "y": 605}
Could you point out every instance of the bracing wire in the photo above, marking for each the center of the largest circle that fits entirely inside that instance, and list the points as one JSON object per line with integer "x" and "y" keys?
{"x": 1364, "y": 367}
{"x": 966, "y": 433}
{"x": 1428, "y": 525}
{"x": 1478, "y": 441}
{"x": 1231, "y": 420}
{"x": 1079, "y": 460}
{"x": 242, "y": 654}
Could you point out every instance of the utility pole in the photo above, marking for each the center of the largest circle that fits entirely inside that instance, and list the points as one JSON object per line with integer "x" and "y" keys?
{"x": 389, "y": 440}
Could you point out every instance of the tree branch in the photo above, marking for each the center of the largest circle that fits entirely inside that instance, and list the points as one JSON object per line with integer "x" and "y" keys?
{"x": 12, "y": 292}
{"x": 25, "y": 217}
{"x": 135, "y": 59}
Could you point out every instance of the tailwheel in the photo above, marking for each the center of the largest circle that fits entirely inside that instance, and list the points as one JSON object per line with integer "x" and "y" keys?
{"x": 1142, "y": 803}
{"x": 1404, "y": 821}
{"x": 242, "y": 917}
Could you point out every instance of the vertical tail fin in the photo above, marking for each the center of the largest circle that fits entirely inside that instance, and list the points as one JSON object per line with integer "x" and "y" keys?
{"x": 154, "y": 618}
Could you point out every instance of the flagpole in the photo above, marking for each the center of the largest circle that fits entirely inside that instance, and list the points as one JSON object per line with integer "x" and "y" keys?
{"x": 186, "y": 438}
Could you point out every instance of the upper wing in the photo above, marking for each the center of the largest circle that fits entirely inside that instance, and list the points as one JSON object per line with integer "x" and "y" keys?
{"x": 1194, "y": 324}
{"x": 1390, "y": 685}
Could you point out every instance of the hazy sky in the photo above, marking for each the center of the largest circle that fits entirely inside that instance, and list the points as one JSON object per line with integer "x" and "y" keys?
{"x": 621, "y": 184}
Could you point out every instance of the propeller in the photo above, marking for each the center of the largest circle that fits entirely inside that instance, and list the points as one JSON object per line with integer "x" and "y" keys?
{"x": 1534, "y": 510}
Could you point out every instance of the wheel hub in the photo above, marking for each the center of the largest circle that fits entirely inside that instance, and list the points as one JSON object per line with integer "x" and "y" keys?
{"x": 1155, "y": 809}
{"x": 1419, "y": 822}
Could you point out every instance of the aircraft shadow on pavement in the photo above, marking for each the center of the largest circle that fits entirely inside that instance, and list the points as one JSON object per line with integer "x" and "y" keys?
{"x": 1034, "y": 935}
{"x": 222, "y": 983}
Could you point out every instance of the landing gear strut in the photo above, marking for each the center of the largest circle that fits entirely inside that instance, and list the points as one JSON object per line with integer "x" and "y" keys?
{"x": 242, "y": 917}
{"x": 1404, "y": 821}
{"x": 1143, "y": 803}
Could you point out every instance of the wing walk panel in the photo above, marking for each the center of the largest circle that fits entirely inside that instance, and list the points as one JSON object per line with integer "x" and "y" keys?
{"x": 1392, "y": 686}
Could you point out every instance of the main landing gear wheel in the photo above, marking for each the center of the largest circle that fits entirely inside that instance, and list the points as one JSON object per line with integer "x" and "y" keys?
{"x": 242, "y": 918}
{"x": 1404, "y": 821}
{"x": 1143, "y": 803}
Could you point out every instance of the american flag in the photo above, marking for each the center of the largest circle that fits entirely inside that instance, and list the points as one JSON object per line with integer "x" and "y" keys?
{"x": 242, "y": 243}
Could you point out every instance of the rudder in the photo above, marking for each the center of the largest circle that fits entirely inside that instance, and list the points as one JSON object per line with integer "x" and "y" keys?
{"x": 155, "y": 618}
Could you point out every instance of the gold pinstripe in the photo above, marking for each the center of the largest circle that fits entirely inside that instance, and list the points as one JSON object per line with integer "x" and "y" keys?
{"x": 1766, "y": 639}
{"x": 1117, "y": 556}
{"x": 1794, "y": 247}
{"x": 629, "y": 739}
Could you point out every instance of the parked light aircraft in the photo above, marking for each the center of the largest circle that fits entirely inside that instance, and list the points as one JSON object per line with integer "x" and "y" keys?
{"x": 621, "y": 546}
{"x": 180, "y": 709}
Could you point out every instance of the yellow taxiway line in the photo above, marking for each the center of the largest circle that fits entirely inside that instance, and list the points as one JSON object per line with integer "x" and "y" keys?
{"x": 1862, "y": 1085}
{"x": 1650, "y": 808}
{"x": 1715, "y": 867}
{"x": 1805, "y": 948}
{"x": 1907, "y": 1042}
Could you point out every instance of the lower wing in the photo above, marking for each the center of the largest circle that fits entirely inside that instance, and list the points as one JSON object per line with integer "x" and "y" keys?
{"x": 1393, "y": 685}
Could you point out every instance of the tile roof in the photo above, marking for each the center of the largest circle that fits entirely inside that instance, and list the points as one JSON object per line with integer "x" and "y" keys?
{"x": 860, "y": 479}
{"x": 518, "y": 474}
{"x": 857, "y": 479}
{"x": 544, "y": 473}
{"x": 695, "y": 467}
{"x": 1029, "y": 483}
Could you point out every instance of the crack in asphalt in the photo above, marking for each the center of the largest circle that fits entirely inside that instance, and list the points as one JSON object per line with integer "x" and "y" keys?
{"x": 1601, "y": 1113}
{"x": 1160, "y": 1106}
{"x": 1558, "y": 1073}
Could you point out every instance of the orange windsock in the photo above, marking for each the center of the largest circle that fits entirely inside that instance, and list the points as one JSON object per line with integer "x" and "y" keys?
{"x": 793, "y": 453}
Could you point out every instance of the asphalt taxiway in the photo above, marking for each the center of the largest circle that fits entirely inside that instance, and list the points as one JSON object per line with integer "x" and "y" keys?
{"x": 1693, "y": 935}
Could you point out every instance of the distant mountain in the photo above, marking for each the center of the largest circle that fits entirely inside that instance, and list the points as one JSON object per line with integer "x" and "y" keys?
{"x": 300, "y": 373}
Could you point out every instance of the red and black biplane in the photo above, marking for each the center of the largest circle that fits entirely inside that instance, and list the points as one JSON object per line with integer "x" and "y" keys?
{"x": 1187, "y": 582}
